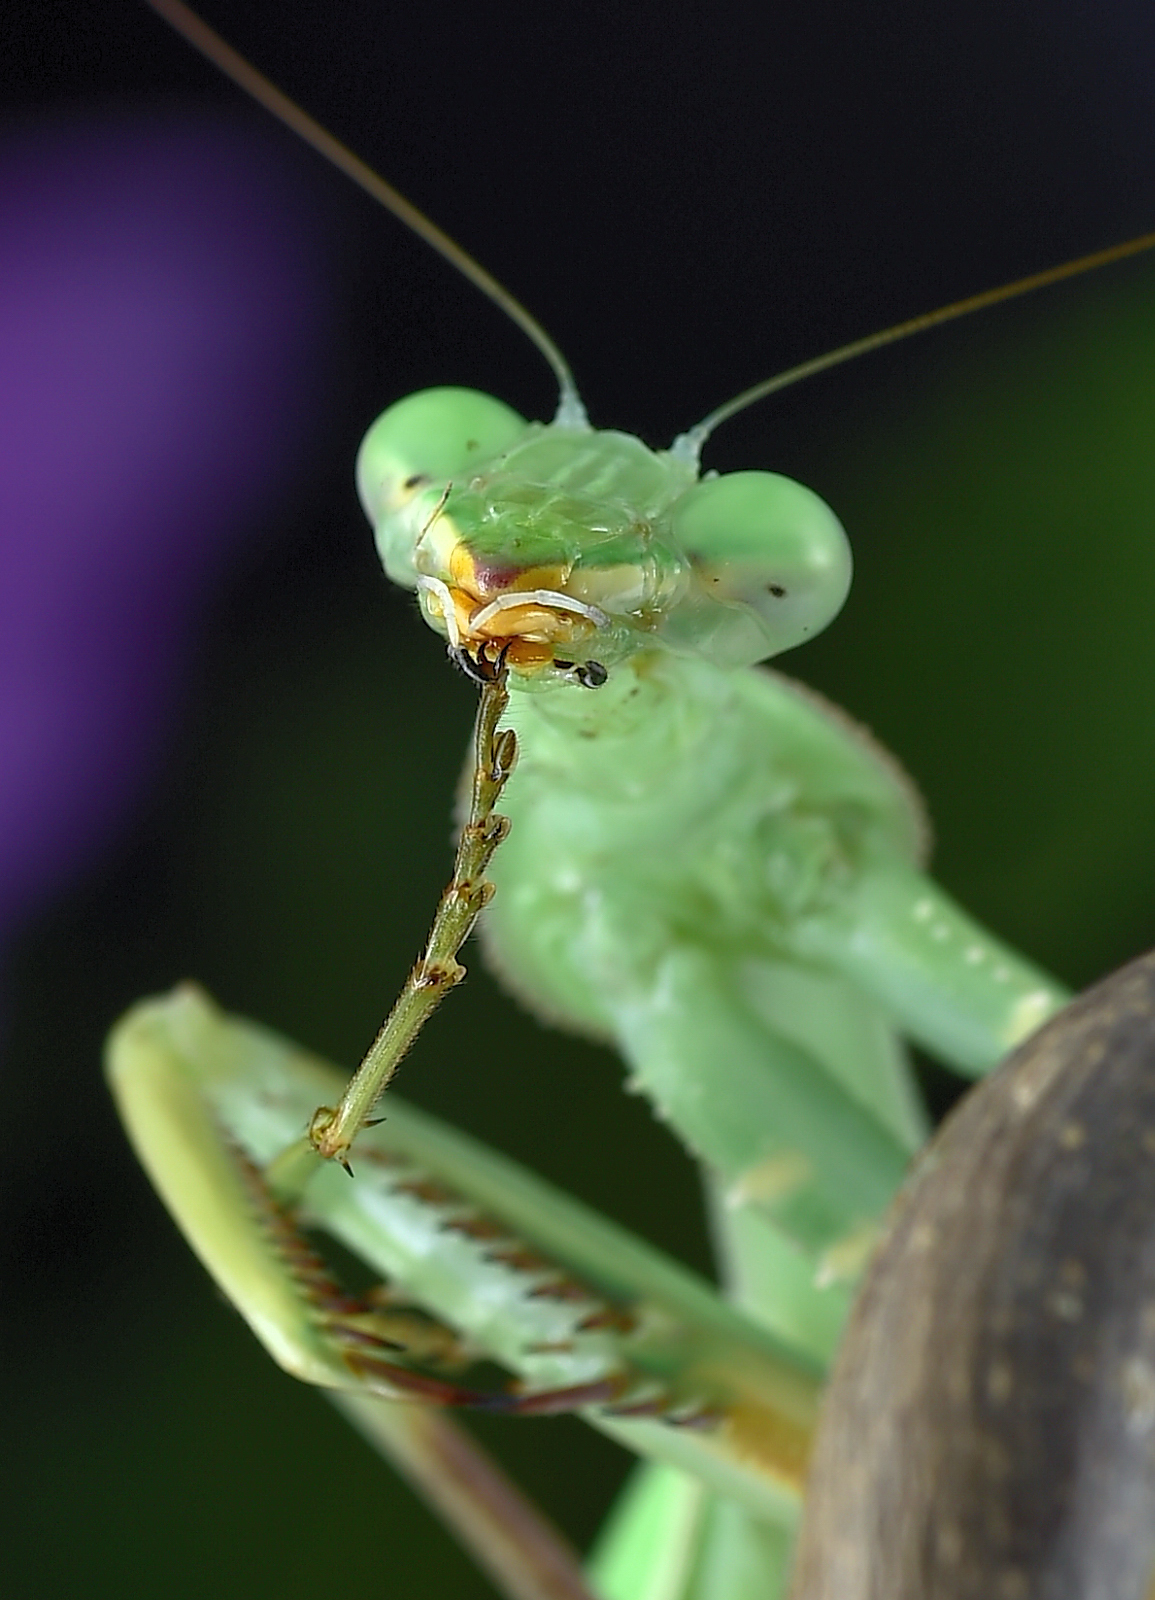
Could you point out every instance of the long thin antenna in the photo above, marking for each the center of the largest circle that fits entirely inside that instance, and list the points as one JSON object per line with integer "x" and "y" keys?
{"x": 570, "y": 411}
{"x": 690, "y": 444}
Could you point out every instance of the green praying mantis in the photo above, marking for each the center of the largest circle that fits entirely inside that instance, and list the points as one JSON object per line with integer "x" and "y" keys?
{"x": 578, "y": 966}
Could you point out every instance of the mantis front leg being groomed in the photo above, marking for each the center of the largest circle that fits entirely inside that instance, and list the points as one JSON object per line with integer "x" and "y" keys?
{"x": 708, "y": 868}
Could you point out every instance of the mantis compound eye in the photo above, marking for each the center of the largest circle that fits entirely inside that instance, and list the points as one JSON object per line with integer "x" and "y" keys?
{"x": 772, "y": 563}
{"x": 413, "y": 451}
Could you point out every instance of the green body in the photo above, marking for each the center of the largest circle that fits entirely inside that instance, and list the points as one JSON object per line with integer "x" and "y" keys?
{"x": 707, "y": 864}
{"x": 709, "y": 868}
{"x": 714, "y": 870}
{"x": 715, "y": 866}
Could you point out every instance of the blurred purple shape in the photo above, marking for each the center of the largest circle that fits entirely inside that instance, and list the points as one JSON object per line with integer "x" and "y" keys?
{"x": 162, "y": 319}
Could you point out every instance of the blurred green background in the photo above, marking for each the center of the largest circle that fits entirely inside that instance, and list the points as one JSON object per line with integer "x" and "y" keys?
{"x": 687, "y": 207}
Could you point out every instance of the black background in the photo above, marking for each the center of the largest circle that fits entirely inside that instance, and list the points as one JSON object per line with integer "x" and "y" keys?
{"x": 689, "y": 199}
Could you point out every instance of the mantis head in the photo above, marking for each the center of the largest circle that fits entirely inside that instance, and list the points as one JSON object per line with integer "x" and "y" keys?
{"x": 569, "y": 551}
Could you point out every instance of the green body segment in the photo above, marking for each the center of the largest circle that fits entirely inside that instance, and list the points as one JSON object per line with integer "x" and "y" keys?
{"x": 689, "y": 846}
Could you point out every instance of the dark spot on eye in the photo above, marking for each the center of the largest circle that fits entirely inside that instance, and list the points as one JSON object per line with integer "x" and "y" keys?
{"x": 777, "y": 591}
{"x": 417, "y": 481}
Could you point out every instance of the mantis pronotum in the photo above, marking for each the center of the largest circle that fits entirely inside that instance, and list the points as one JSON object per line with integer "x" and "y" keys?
{"x": 765, "y": 455}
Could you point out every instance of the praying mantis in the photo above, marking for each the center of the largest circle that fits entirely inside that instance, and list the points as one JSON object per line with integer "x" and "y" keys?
{"x": 547, "y": 1045}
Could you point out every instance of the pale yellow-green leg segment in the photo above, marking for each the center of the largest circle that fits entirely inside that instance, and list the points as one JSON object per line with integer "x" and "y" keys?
{"x": 646, "y": 1548}
{"x": 670, "y": 1538}
{"x": 780, "y": 1132}
{"x": 496, "y": 1261}
{"x": 947, "y": 982}
{"x": 527, "y": 1558}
